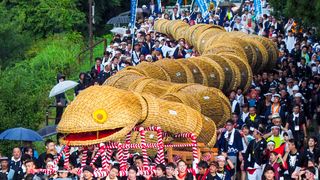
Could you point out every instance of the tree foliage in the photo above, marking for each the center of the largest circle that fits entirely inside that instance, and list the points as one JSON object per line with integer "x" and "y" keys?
{"x": 13, "y": 41}
{"x": 24, "y": 87}
{"x": 38, "y": 39}
{"x": 307, "y": 12}
{"x": 44, "y": 17}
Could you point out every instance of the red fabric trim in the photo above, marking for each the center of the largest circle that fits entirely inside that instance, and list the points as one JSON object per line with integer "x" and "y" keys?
{"x": 85, "y": 136}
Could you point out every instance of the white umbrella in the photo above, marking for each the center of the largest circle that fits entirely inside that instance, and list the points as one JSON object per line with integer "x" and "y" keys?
{"x": 62, "y": 87}
{"x": 119, "y": 30}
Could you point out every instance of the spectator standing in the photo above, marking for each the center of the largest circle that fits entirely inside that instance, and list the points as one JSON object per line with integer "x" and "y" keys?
{"x": 296, "y": 122}
{"x": 275, "y": 108}
{"x": 255, "y": 156}
{"x": 136, "y": 54}
{"x": 81, "y": 84}
{"x": 312, "y": 151}
{"x": 98, "y": 66}
{"x": 50, "y": 149}
{"x": 290, "y": 41}
{"x": 61, "y": 101}
{"x": 230, "y": 142}
{"x": 6, "y": 173}
{"x": 253, "y": 120}
{"x": 235, "y": 106}
{"x": 16, "y": 163}
{"x": 293, "y": 158}
{"x": 104, "y": 75}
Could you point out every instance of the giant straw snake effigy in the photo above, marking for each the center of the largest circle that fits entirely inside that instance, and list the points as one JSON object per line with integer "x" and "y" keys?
{"x": 178, "y": 95}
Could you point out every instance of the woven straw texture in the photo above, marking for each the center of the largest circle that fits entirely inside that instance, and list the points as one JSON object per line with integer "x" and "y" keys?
{"x": 208, "y": 101}
{"x": 208, "y": 134}
{"x": 247, "y": 48}
{"x": 230, "y": 70}
{"x": 227, "y": 109}
{"x": 123, "y": 79}
{"x": 153, "y": 86}
{"x": 204, "y": 38}
{"x": 271, "y": 49}
{"x": 174, "y": 26}
{"x": 208, "y": 98}
{"x": 180, "y": 32}
{"x": 246, "y": 72}
{"x": 175, "y": 71}
{"x": 197, "y": 73}
{"x": 222, "y": 48}
{"x": 151, "y": 70}
{"x": 212, "y": 71}
{"x": 211, "y": 40}
{"x": 183, "y": 98}
{"x": 78, "y": 116}
{"x": 190, "y": 31}
{"x": 262, "y": 54}
{"x": 172, "y": 116}
{"x": 189, "y": 73}
{"x": 238, "y": 34}
{"x": 196, "y": 34}
{"x": 134, "y": 84}
{"x": 159, "y": 24}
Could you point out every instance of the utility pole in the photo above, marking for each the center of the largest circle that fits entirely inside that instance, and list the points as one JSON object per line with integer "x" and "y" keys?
{"x": 90, "y": 31}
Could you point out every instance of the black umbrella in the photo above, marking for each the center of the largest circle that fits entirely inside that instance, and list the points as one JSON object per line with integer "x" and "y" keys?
{"x": 48, "y": 131}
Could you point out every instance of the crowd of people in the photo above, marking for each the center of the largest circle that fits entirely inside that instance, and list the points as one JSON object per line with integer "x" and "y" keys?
{"x": 273, "y": 133}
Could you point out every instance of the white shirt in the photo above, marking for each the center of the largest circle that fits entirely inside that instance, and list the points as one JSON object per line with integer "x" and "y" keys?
{"x": 290, "y": 42}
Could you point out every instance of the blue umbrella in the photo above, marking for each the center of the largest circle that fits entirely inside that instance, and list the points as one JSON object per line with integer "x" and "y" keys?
{"x": 20, "y": 134}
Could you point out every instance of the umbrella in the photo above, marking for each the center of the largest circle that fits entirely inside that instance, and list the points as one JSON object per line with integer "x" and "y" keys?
{"x": 227, "y": 4}
{"x": 62, "y": 87}
{"x": 119, "y": 20}
{"x": 20, "y": 134}
{"x": 119, "y": 30}
{"x": 48, "y": 131}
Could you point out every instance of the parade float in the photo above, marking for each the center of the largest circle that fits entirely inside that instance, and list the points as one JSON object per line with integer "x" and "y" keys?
{"x": 171, "y": 103}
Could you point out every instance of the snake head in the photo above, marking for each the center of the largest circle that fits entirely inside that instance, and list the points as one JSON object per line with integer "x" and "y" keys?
{"x": 100, "y": 114}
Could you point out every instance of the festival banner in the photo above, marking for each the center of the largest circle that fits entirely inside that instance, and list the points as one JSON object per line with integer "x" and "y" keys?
{"x": 203, "y": 6}
{"x": 133, "y": 13}
{"x": 159, "y": 5}
{"x": 257, "y": 8}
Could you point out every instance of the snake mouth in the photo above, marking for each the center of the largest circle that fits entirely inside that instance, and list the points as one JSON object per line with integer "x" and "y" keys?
{"x": 87, "y": 136}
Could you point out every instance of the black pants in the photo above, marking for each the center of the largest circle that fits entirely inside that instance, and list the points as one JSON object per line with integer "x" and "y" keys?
{"x": 59, "y": 111}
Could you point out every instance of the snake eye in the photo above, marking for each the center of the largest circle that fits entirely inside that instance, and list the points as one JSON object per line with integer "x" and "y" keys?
{"x": 100, "y": 116}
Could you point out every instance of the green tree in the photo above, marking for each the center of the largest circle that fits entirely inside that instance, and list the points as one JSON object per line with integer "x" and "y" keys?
{"x": 45, "y": 17}
{"x": 306, "y": 12}
{"x": 13, "y": 41}
{"x": 24, "y": 88}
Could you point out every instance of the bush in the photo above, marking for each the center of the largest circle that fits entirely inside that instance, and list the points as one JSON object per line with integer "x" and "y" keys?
{"x": 25, "y": 87}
